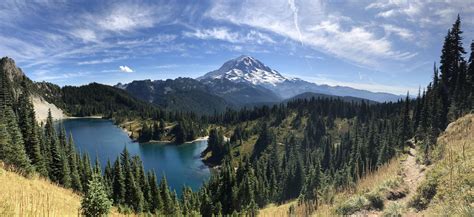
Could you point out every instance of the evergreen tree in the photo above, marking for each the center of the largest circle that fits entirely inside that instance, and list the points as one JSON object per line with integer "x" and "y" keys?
{"x": 118, "y": 183}
{"x": 405, "y": 129}
{"x": 156, "y": 203}
{"x": 14, "y": 151}
{"x": 28, "y": 128}
{"x": 96, "y": 201}
{"x": 87, "y": 171}
{"x": 65, "y": 173}
{"x": 73, "y": 164}
{"x": 470, "y": 79}
{"x": 264, "y": 140}
{"x": 168, "y": 203}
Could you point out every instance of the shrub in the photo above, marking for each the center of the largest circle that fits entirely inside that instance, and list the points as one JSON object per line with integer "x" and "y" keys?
{"x": 352, "y": 205}
{"x": 376, "y": 201}
{"x": 95, "y": 202}
{"x": 393, "y": 210}
{"x": 425, "y": 192}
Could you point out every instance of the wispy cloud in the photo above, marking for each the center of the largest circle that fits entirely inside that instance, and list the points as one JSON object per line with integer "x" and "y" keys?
{"x": 225, "y": 34}
{"x": 45, "y": 75}
{"x": 314, "y": 27}
{"x": 403, "y": 33}
{"x": 125, "y": 69}
{"x": 100, "y": 61}
{"x": 424, "y": 13}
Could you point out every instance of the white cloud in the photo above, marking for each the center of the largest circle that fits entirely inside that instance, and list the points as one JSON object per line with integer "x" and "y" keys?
{"x": 86, "y": 35}
{"x": 125, "y": 69}
{"x": 222, "y": 33}
{"x": 314, "y": 27}
{"x": 424, "y": 13}
{"x": 105, "y": 60}
{"x": 129, "y": 17}
{"x": 404, "y": 33}
{"x": 225, "y": 34}
{"x": 42, "y": 75}
{"x": 387, "y": 14}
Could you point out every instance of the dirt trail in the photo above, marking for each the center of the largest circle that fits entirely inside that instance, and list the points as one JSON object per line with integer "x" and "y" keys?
{"x": 413, "y": 175}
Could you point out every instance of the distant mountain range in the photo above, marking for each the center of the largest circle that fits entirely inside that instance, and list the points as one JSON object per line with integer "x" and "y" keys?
{"x": 238, "y": 82}
{"x": 243, "y": 81}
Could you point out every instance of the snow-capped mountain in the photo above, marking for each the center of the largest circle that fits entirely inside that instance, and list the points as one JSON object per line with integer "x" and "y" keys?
{"x": 246, "y": 69}
{"x": 249, "y": 71}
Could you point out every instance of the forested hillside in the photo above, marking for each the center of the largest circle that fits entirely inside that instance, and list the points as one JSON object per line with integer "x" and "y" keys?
{"x": 310, "y": 149}
{"x": 306, "y": 149}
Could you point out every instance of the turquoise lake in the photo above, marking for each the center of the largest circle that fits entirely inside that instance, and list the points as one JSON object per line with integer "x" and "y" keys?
{"x": 180, "y": 163}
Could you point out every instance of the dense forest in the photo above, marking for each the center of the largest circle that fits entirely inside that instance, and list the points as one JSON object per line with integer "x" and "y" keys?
{"x": 305, "y": 149}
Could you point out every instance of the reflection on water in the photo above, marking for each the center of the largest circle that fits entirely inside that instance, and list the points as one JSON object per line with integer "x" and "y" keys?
{"x": 180, "y": 163}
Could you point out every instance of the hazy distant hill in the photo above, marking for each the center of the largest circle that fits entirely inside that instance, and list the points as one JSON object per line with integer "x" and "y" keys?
{"x": 310, "y": 95}
{"x": 181, "y": 94}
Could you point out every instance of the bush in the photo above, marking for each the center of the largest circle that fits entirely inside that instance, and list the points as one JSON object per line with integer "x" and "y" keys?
{"x": 393, "y": 210}
{"x": 124, "y": 209}
{"x": 95, "y": 202}
{"x": 352, "y": 205}
{"x": 425, "y": 192}
{"x": 376, "y": 201}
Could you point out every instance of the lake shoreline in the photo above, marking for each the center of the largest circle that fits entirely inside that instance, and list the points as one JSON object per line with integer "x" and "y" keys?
{"x": 206, "y": 162}
{"x": 166, "y": 142}
{"x": 104, "y": 139}
{"x": 85, "y": 117}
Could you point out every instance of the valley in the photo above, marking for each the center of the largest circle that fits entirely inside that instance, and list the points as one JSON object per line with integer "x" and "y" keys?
{"x": 219, "y": 133}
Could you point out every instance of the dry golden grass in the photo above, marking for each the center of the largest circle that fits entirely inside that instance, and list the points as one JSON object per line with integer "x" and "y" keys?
{"x": 20, "y": 196}
{"x": 387, "y": 172}
{"x": 276, "y": 210}
{"x": 454, "y": 169}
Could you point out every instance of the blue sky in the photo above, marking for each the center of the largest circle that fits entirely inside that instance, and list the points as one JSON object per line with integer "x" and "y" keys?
{"x": 386, "y": 45}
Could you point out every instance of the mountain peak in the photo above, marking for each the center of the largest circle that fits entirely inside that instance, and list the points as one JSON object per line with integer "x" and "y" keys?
{"x": 248, "y": 70}
{"x": 8, "y": 66}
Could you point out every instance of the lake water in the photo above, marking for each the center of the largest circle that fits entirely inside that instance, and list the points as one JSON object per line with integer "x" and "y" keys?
{"x": 180, "y": 163}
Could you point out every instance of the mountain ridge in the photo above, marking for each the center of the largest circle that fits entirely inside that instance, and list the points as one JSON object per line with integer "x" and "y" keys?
{"x": 249, "y": 70}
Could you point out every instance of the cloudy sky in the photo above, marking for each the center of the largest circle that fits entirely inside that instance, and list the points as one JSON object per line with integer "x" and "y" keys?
{"x": 386, "y": 45}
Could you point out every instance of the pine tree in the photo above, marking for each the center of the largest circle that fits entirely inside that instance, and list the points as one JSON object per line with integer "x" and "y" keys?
{"x": 156, "y": 203}
{"x": 264, "y": 140}
{"x": 73, "y": 164}
{"x": 108, "y": 178}
{"x": 405, "y": 129}
{"x": 96, "y": 201}
{"x": 5, "y": 91}
{"x": 48, "y": 143}
{"x": 28, "y": 127}
{"x": 118, "y": 183}
{"x": 452, "y": 55}
{"x": 470, "y": 78}
{"x": 65, "y": 174}
{"x": 168, "y": 208}
{"x": 87, "y": 171}
{"x": 14, "y": 153}
{"x": 5, "y": 140}
{"x": 312, "y": 184}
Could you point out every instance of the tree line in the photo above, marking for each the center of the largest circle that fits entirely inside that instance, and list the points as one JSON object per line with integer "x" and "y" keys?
{"x": 325, "y": 159}
{"x": 328, "y": 145}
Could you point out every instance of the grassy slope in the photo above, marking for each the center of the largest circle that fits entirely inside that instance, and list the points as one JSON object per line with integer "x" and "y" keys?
{"x": 452, "y": 172}
{"x": 20, "y": 196}
{"x": 377, "y": 180}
